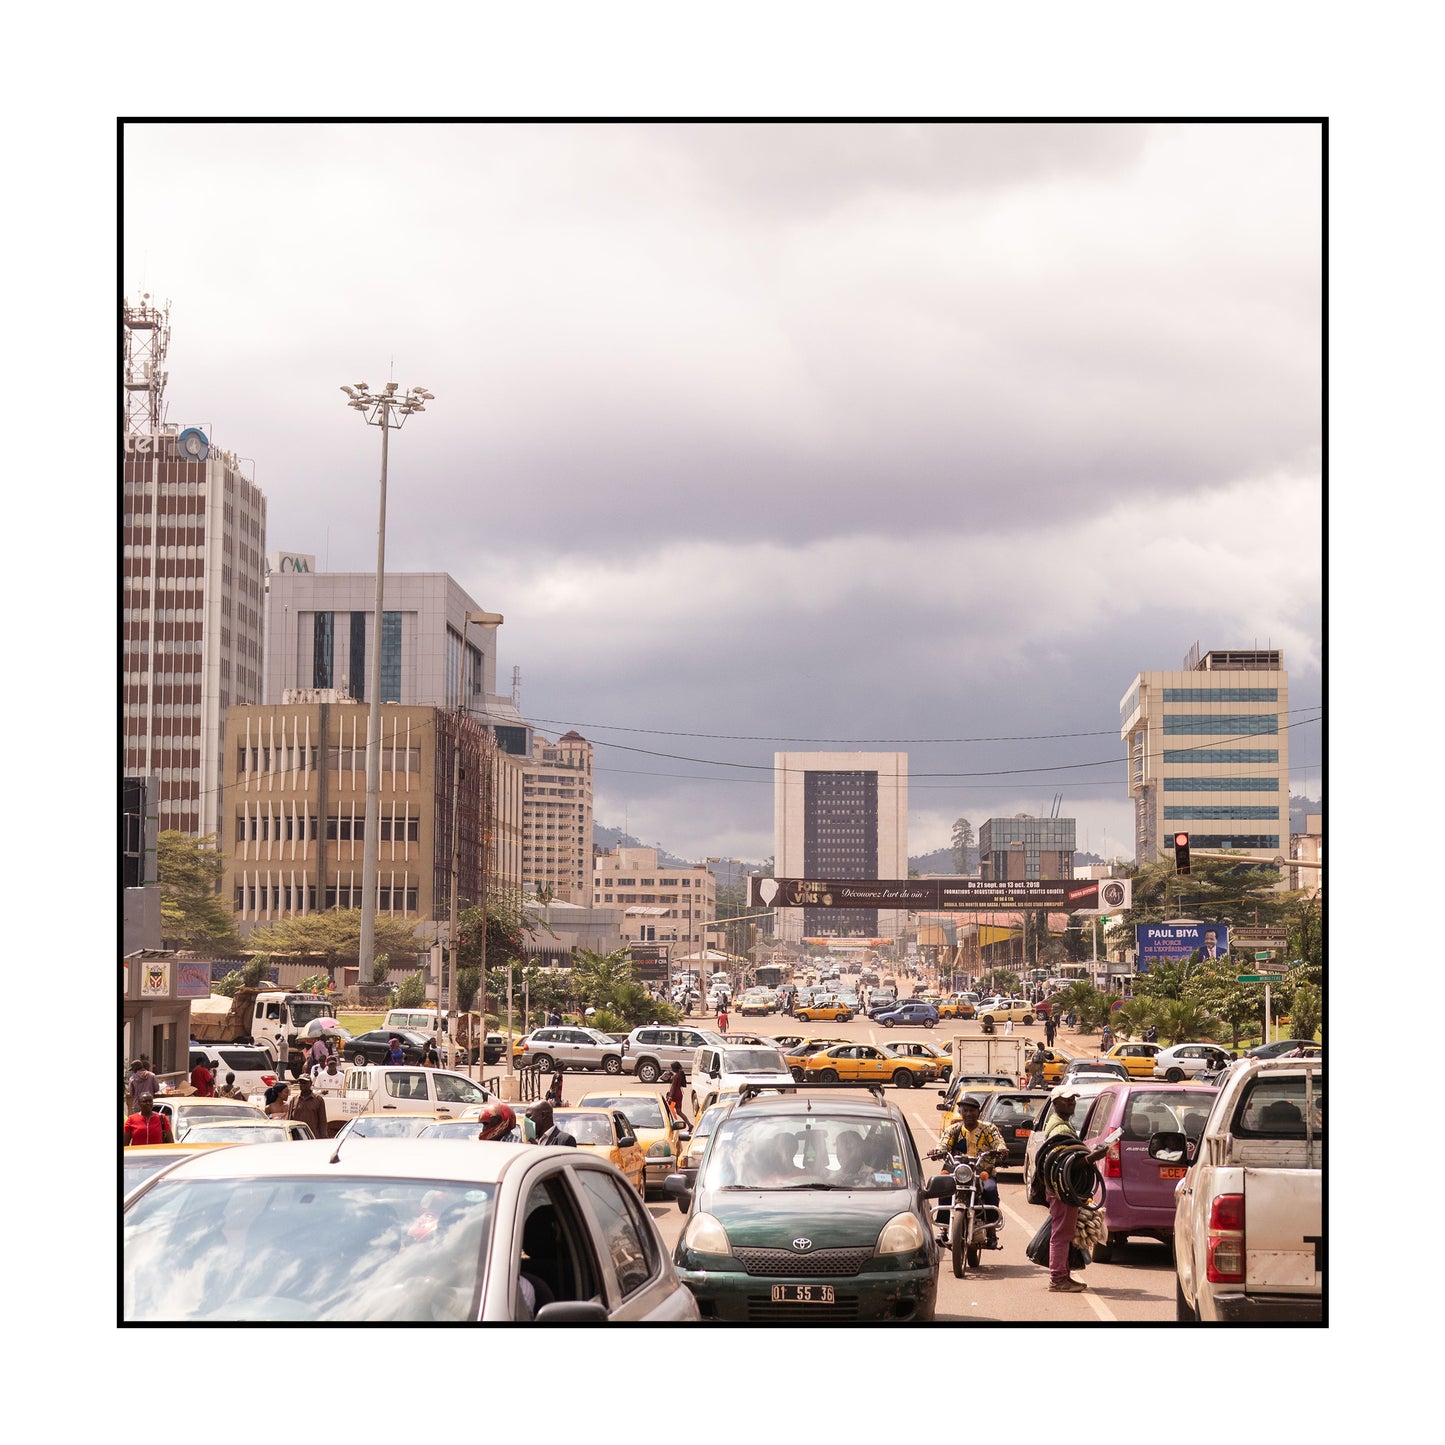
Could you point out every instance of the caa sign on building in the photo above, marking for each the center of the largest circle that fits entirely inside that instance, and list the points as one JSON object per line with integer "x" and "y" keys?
{"x": 289, "y": 562}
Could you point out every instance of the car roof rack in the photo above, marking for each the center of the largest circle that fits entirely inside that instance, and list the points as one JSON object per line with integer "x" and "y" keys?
{"x": 750, "y": 1091}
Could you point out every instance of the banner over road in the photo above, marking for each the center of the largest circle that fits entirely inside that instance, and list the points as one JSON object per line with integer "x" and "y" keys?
{"x": 927, "y": 895}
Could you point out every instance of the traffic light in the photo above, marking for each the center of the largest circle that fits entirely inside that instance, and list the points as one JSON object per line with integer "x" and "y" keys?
{"x": 1181, "y": 852}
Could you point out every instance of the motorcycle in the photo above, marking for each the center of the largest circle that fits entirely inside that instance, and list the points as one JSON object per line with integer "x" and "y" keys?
{"x": 965, "y": 1223}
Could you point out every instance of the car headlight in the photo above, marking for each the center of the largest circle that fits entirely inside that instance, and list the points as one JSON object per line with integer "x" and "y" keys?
{"x": 659, "y": 1150}
{"x": 704, "y": 1235}
{"x": 903, "y": 1234}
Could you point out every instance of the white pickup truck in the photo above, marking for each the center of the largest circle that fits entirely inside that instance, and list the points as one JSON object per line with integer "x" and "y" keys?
{"x": 1249, "y": 1238}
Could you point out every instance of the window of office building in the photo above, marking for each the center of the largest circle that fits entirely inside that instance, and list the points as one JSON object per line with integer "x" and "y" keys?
{"x": 1221, "y": 785}
{"x": 1221, "y": 694}
{"x": 322, "y": 634}
{"x": 357, "y": 662}
{"x": 1199, "y": 810}
{"x": 391, "y": 657}
{"x": 1245, "y": 724}
{"x": 1221, "y": 755}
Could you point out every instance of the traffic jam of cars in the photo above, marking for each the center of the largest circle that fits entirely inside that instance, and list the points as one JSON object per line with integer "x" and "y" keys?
{"x": 856, "y": 1176}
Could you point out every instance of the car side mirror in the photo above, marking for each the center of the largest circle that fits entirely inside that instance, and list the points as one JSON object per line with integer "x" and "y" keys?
{"x": 942, "y": 1108}
{"x": 572, "y": 1312}
{"x": 683, "y": 1136}
{"x": 626, "y": 1141}
{"x": 941, "y": 1186}
{"x": 678, "y": 1187}
{"x": 1168, "y": 1147}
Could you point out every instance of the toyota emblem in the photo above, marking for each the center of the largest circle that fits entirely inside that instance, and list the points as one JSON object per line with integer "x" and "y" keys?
{"x": 802, "y": 1244}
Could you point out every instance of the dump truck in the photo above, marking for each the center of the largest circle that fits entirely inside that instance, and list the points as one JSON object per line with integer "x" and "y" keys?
{"x": 274, "y": 1019}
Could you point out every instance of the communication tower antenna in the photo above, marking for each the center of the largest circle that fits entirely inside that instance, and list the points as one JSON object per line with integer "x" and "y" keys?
{"x": 147, "y": 333}
{"x": 516, "y": 687}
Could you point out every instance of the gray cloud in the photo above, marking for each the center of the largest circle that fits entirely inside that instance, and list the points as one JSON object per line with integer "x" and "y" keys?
{"x": 909, "y": 431}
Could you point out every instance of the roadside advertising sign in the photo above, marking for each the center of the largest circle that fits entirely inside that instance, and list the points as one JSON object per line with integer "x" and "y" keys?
{"x": 1175, "y": 942}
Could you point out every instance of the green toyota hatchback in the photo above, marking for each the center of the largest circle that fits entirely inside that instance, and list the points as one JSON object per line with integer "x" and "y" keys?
{"x": 811, "y": 1207}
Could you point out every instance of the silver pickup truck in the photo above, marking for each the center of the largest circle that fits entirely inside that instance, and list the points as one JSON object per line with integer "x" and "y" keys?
{"x": 1249, "y": 1238}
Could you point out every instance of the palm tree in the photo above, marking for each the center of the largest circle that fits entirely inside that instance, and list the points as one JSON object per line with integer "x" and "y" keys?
{"x": 1182, "y": 1021}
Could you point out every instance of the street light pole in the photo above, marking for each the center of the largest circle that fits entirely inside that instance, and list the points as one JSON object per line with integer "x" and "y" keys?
{"x": 385, "y": 409}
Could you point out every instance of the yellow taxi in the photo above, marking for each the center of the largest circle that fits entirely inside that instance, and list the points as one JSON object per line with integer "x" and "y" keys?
{"x": 941, "y": 1059}
{"x": 867, "y": 1064}
{"x": 796, "y": 1056}
{"x": 661, "y": 1136}
{"x": 979, "y": 1085}
{"x": 1137, "y": 1058}
{"x": 607, "y": 1134}
{"x": 957, "y": 1006}
{"x": 1055, "y": 1060}
{"x": 824, "y": 1008}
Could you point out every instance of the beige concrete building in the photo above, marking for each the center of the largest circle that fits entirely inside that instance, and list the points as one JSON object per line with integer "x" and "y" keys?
{"x": 840, "y": 815}
{"x": 1208, "y": 754}
{"x": 294, "y": 809}
{"x": 659, "y": 902}
{"x": 557, "y": 819}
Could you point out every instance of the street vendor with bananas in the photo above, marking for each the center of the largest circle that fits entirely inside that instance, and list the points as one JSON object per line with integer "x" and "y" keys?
{"x": 978, "y": 1139}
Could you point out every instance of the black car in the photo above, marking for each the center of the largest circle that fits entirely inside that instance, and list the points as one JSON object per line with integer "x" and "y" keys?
{"x": 1015, "y": 1115}
{"x": 375, "y": 1047}
{"x": 881, "y": 1001}
{"x": 1279, "y": 1048}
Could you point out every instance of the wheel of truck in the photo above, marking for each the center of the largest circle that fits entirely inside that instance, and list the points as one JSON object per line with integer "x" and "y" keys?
{"x": 543, "y": 1063}
{"x": 902, "y": 1079}
{"x": 612, "y": 1064}
{"x": 647, "y": 1071}
{"x": 1174, "y": 1075}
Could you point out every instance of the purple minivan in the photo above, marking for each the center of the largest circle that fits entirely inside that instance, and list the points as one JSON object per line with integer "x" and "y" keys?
{"x": 1138, "y": 1190}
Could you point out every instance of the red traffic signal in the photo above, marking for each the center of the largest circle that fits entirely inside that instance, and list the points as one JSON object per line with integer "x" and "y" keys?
{"x": 1181, "y": 852}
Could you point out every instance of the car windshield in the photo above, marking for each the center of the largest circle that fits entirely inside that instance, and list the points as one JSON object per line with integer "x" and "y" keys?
{"x": 450, "y": 1129}
{"x": 304, "y": 1012}
{"x": 380, "y": 1126}
{"x": 815, "y": 1151}
{"x": 754, "y": 1061}
{"x": 1013, "y": 1111}
{"x": 214, "y": 1113}
{"x": 137, "y": 1166}
{"x": 315, "y": 1249}
{"x": 1151, "y": 1110}
{"x": 641, "y": 1113}
{"x": 234, "y": 1134}
{"x": 585, "y": 1128}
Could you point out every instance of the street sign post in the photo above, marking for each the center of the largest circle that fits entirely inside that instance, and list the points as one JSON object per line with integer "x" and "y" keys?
{"x": 1263, "y": 957}
{"x": 1249, "y": 978}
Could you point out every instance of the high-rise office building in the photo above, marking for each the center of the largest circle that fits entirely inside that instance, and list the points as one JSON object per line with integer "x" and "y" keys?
{"x": 193, "y": 536}
{"x": 1208, "y": 754}
{"x": 557, "y": 819}
{"x": 840, "y": 815}
{"x": 659, "y": 902}
{"x": 1026, "y": 847}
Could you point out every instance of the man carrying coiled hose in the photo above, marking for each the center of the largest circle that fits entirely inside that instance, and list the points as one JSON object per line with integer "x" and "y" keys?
{"x": 1070, "y": 1180}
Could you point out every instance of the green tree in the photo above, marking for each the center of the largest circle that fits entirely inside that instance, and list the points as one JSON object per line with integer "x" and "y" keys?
{"x": 1183, "y": 1020}
{"x": 336, "y": 936}
{"x": 411, "y": 992}
{"x": 469, "y": 982}
{"x": 999, "y": 980}
{"x": 194, "y": 916}
{"x": 1238, "y": 1007}
{"x": 250, "y": 975}
{"x": 1136, "y": 1014}
{"x": 962, "y": 845}
{"x": 1307, "y": 1011}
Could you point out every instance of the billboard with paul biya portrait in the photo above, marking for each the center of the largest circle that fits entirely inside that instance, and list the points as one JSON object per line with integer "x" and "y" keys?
{"x": 1176, "y": 942}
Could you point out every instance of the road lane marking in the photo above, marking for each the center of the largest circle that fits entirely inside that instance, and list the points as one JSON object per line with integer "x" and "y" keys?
{"x": 1030, "y": 1228}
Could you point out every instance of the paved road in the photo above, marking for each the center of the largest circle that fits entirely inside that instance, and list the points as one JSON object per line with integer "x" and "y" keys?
{"x": 1137, "y": 1286}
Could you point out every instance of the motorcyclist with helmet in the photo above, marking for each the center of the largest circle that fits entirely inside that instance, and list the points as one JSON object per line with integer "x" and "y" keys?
{"x": 976, "y": 1139}
{"x": 498, "y": 1123}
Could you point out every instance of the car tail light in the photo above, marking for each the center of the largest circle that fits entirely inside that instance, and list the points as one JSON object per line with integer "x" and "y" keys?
{"x": 1113, "y": 1163}
{"x": 1225, "y": 1260}
{"x": 268, "y": 1079}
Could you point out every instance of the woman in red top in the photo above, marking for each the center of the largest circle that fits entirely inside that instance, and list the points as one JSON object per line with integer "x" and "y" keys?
{"x": 146, "y": 1126}
{"x": 203, "y": 1081}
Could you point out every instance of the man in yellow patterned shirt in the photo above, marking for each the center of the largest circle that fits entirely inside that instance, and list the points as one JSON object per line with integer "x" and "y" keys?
{"x": 979, "y": 1140}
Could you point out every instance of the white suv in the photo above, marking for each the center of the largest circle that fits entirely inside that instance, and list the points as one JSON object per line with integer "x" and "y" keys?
{"x": 571, "y": 1046}
{"x": 651, "y": 1051}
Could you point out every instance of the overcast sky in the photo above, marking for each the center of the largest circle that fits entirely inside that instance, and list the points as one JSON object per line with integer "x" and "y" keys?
{"x": 772, "y": 436}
